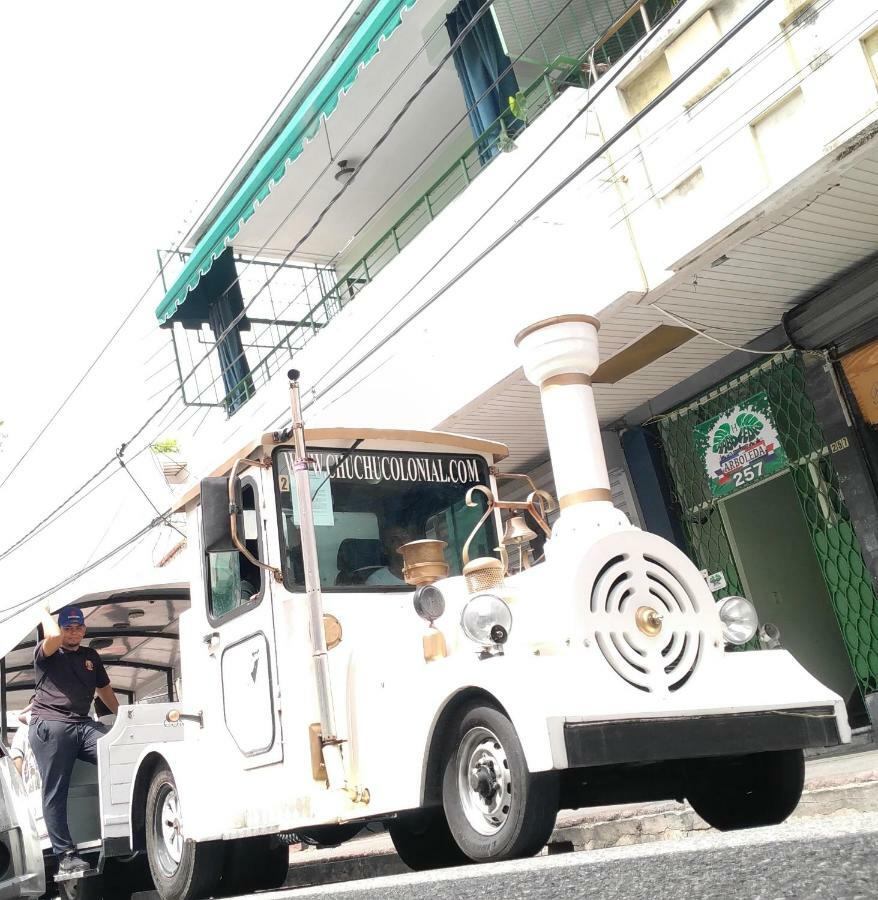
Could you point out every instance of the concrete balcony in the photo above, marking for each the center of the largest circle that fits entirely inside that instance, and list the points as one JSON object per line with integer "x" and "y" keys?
{"x": 745, "y": 191}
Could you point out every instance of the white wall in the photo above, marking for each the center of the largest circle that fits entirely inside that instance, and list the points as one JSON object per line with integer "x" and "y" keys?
{"x": 734, "y": 140}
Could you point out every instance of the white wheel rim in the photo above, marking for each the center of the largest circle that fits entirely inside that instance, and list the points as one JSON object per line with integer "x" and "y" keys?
{"x": 168, "y": 829}
{"x": 484, "y": 781}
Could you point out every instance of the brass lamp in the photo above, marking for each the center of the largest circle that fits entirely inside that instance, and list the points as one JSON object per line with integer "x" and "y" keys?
{"x": 423, "y": 561}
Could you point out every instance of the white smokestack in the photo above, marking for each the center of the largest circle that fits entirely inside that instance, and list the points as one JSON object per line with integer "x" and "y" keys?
{"x": 560, "y": 355}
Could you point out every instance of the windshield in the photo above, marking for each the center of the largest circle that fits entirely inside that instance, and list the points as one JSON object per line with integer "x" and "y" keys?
{"x": 371, "y": 504}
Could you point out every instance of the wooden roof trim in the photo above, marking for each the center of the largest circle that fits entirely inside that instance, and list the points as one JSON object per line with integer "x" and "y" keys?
{"x": 437, "y": 438}
{"x": 224, "y": 468}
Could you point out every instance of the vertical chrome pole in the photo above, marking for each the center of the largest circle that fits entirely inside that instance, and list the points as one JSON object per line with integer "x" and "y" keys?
{"x": 319, "y": 653}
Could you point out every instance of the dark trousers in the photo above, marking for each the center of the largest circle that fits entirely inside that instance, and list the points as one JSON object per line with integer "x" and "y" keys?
{"x": 56, "y": 747}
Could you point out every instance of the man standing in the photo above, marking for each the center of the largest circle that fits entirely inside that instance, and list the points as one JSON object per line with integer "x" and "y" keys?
{"x": 67, "y": 675}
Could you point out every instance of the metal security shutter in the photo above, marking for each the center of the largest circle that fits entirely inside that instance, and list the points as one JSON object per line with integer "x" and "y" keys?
{"x": 525, "y": 29}
{"x": 846, "y": 314}
{"x": 623, "y": 498}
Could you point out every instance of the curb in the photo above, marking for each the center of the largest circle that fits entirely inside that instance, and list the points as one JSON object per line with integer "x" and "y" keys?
{"x": 621, "y": 827}
{"x": 662, "y": 822}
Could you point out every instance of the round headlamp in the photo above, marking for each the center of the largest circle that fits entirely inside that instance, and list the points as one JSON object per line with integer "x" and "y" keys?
{"x": 429, "y": 602}
{"x": 486, "y": 619}
{"x": 739, "y": 620}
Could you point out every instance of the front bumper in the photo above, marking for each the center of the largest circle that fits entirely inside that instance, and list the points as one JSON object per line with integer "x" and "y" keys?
{"x": 729, "y": 734}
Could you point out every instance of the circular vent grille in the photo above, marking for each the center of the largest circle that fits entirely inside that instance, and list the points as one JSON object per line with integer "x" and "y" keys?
{"x": 646, "y": 623}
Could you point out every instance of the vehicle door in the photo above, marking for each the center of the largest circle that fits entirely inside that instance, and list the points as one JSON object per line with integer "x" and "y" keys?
{"x": 242, "y": 640}
{"x": 22, "y": 873}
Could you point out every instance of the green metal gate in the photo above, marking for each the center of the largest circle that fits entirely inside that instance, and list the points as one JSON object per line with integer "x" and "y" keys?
{"x": 848, "y": 581}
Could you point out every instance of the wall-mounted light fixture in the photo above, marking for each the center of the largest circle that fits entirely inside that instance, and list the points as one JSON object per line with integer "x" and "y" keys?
{"x": 345, "y": 171}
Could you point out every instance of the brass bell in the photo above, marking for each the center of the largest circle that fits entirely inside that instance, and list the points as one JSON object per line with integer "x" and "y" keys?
{"x": 517, "y": 531}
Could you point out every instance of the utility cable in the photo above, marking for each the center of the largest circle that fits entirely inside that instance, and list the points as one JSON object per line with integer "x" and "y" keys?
{"x": 631, "y": 123}
{"x": 10, "y": 612}
{"x": 160, "y": 272}
{"x": 482, "y": 10}
{"x": 681, "y": 321}
{"x": 46, "y": 521}
{"x": 120, "y": 456}
{"x": 614, "y": 75}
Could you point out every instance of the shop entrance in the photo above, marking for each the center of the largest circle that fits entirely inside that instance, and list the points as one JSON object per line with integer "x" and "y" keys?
{"x": 761, "y": 505}
{"x": 780, "y": 573}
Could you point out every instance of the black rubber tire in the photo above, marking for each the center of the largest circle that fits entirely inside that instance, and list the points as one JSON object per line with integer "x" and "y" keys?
{"x": 124, "y": 876}
{"x": 747, "y": 791}
{"x": 253, "y": 864}
{"x": 533, "y": 797}
{"x": 200, "y": 866}
{"x": 423, "y": 841}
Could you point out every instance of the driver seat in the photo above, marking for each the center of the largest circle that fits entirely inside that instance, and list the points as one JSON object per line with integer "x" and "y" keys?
{"x": 357, "y": 559}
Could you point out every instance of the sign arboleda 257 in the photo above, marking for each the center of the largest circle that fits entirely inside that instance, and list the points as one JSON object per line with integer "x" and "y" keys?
{"x": 740, "y": 446}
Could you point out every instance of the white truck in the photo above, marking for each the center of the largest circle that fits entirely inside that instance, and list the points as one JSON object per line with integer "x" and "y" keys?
{"x": 368, "y": 639}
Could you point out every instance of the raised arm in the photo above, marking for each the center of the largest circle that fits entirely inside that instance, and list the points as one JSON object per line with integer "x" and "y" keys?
{"x": 51, "y": 633}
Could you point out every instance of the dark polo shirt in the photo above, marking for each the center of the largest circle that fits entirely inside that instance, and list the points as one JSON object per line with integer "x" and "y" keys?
{"x": 65, "y": 683}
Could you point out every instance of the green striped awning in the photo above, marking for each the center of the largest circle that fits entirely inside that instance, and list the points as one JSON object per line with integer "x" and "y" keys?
{"x": 384, "y": 18}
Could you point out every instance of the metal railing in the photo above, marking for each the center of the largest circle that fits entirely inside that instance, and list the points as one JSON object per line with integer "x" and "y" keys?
{"x": 579, "y": 64}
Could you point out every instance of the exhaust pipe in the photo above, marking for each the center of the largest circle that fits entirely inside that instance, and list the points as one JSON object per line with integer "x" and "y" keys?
{"x": 559, "y": 355}
{"x": 333, "y": 759}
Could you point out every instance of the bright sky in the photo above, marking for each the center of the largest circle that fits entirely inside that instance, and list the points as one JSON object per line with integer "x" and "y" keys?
{"x": 121, "y": 119}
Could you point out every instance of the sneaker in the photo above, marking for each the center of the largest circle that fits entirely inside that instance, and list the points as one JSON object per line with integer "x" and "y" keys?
{"x": 70, "y": 864}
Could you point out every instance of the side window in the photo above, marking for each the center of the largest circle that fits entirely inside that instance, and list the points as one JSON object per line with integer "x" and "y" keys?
{"x": 232, "y": 580}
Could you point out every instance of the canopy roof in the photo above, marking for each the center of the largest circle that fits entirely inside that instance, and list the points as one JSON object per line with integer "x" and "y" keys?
{"x": 318, "y": 105}
{"x": 140, "y": 622}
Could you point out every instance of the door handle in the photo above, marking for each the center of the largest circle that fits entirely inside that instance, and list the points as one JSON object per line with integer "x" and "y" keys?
{"x": 212, "y": 641}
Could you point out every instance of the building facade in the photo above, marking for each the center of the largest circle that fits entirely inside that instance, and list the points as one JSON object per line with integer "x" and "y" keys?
{"x": 700, "y": 175}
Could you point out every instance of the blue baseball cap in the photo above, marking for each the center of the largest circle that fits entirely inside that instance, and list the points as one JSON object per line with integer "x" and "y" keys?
{"x": 71, "y": 615}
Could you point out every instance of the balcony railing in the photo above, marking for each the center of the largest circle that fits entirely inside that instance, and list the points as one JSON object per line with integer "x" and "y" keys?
{"x": 578, "y": 65}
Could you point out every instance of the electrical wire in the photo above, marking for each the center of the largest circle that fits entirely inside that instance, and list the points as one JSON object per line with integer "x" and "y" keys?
{"x": 119, "y": 455}
{"x": 482, "y": 11}
{"x": 691, "y": 326}
{"x": 158, "y": 274}
{"x": 521, "y": 219}
{"x": 631, "y": 123}
{"x": 10, "y": 612}
{"x": 485, "y": 7}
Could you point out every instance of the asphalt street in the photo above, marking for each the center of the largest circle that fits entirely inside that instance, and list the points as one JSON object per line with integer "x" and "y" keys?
{"x": 832, "y": 857}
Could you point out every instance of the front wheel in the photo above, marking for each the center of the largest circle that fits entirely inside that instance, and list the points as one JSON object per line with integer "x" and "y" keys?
{"x": 423, "y": 841}
{"x": 747, "y": 791}
{"x": 181, "y": 869}
{"x": 253, "y": 864}
{"x": 496, "y": 808}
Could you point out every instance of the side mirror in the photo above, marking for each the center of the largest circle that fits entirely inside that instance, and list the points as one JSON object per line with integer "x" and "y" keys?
{"x": 216, "y": 529}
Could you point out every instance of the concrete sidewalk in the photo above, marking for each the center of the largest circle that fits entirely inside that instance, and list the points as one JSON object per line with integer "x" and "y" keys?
{"x": 834, "y": 784}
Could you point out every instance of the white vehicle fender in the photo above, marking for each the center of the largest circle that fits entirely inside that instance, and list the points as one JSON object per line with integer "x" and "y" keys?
{"x": 495, "y": 686}
{"x": 190, "y": 774}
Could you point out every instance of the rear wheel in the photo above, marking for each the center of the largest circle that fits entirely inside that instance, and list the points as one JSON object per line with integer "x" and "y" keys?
{"x": 253, "y": 864}
{"x": 181, "y": 869}
{"x": 747, "y": 791}
{"x": 496, "y": 808}
{"x": 423, "y": 841}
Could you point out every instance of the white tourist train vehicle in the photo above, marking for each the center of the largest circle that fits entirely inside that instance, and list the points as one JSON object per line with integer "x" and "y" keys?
{"x": 507, "y": 671}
